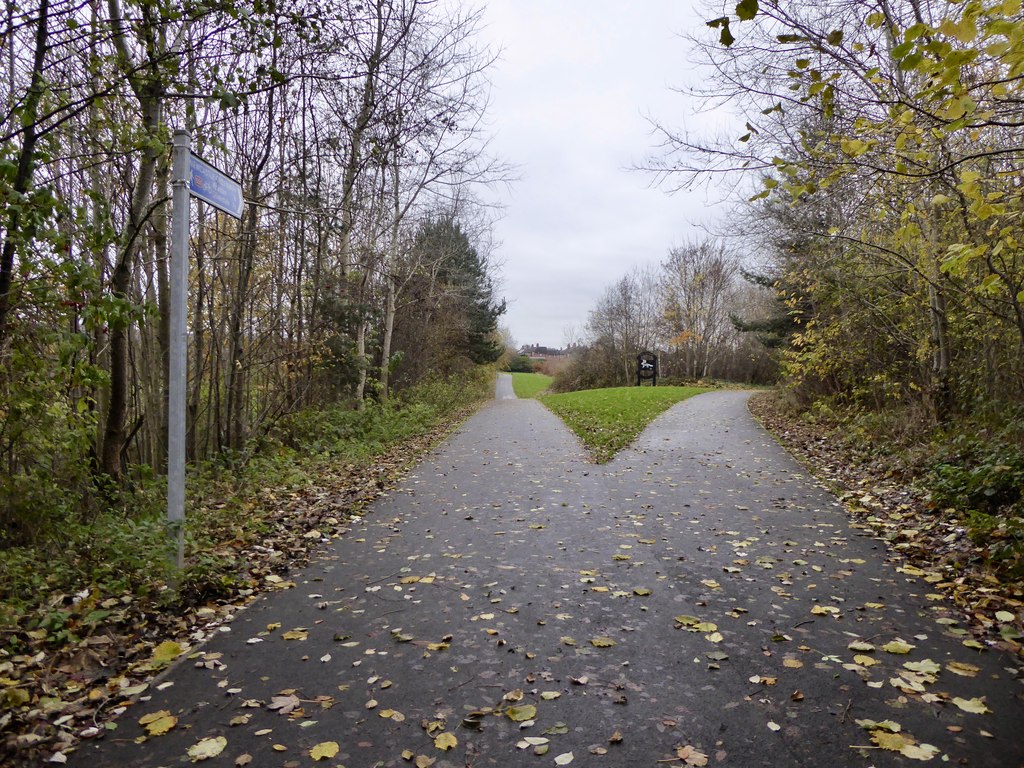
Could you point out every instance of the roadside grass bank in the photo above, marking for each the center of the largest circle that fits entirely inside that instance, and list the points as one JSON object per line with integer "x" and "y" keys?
{"x": 607, "y": 420}
{"x": 529, "y": 385}
{"x": 89, "y": 618}
{"x": 948, "y": 500}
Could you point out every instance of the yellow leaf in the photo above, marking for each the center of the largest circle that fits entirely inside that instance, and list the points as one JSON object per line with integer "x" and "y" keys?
{"x": 919, "y": 751}
{"x": 445, "y": 741}
{"x": 522, "y": 713}
{"x": 898, "y": 646}
{"x": 325, "y": 750}
{"x": 792, "y": 663}
{"x": 977, "y": 706}
{"x": 158, "y": 723}
{"x": 167, "y": 652}
{"x": 296, "y": 634}
{"x": 927, "y": 667}
{"x": 891, "y": 741}
{"x": 204, "y": 749}
{"x": 963, "y": 669}
{"x": 602, "y": 642}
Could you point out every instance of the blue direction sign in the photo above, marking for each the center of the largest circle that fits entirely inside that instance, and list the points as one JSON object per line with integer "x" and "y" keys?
{"x": 216, "y": 188}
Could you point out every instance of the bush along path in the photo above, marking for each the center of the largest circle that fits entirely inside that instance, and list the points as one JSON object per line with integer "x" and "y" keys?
{"x": 68, "y": 670}
{"x": 696, "y": 601}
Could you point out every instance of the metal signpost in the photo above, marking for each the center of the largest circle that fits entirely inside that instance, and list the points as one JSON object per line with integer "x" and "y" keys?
{"x": 190, "y": 176}
{"x": 647, "y": 368}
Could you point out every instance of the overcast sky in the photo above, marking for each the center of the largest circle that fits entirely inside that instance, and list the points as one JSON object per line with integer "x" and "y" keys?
{"x": 570, "y": 94}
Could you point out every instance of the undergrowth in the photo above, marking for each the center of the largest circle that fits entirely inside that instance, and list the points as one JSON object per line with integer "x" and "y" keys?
{"x": 124, "y": 551}
{"x": 970, "y": 467}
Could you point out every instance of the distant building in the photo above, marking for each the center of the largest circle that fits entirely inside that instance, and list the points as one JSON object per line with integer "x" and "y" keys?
{"x": 538, "y": 352}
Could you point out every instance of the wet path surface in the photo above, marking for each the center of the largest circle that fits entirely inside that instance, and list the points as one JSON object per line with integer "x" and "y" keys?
{"x": 699, "y": 595}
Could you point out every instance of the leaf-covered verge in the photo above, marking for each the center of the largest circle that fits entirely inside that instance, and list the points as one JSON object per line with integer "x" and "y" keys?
{"x": 947, "y": 501}
{"x": 88, "y": 621}
{"x": 607, "y": 420}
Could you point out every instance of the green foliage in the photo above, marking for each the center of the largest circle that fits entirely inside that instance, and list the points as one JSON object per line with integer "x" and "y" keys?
{"x": 468, "y": 292}
{"x": 520, "y": 364}
{"x": 530, "y": 384}
{"x": 126, "y": 550}
{"x": 607, "y": 420}
{"x": 979, "y": 475}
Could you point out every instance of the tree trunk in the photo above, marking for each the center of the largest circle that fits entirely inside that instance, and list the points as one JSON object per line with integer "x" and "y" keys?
{"x": 24, "y": 173}
{"x": 115, "y": 433}
{"x": 391, "y": 302}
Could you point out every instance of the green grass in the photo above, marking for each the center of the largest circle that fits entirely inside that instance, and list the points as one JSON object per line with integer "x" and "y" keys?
{"x": 530, "y": 384}
{"x": 607, "y": 420}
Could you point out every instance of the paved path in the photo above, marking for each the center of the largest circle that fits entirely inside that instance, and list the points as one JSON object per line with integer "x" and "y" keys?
{"x": 697, "y": 591}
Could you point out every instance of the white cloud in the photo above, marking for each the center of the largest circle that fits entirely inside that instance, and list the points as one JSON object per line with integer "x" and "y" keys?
{"x": 570, "y": 93}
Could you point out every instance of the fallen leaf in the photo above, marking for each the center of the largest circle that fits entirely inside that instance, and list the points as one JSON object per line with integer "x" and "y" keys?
{"x": 963, "y": 669}
{"x": 522, "y": 713}
{"x": 284, "y": 704}
{"x": 861, "y": 646}
{"x": 602, "y": 642}
{"x": 296, "y": 634}
{"x": 158, "y": 723}
{"x": 792, "y": 663}
{"x": 532, "y": 741}
{"x": 204, "y": 749}
{"x": 919, "y": 751}
{"x": 894, "y": 742}
{"x": 445, "y": 741}
{"x": 564, "y": 759}
{"x": 773, "y": 726}
{"x": 925, "y": 666}
{"x": 898, "y": 646}
{"x": 167, "y": 652}
{"x": 243, "y": 760}
{"x": 976, "y": 706}
{"x": 325, "y": 750}
{"x": 691, "y": 756}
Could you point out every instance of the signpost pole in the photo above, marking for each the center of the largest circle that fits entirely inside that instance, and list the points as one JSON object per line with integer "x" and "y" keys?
{"x": 177, "y": 378}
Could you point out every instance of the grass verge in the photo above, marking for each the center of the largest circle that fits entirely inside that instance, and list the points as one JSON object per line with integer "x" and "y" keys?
{"x": 607, "y": 420}
{"x": 529, "y": 385}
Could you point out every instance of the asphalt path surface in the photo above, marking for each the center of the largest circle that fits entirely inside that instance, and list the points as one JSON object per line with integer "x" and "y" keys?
{"x": 513, "y": 604}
